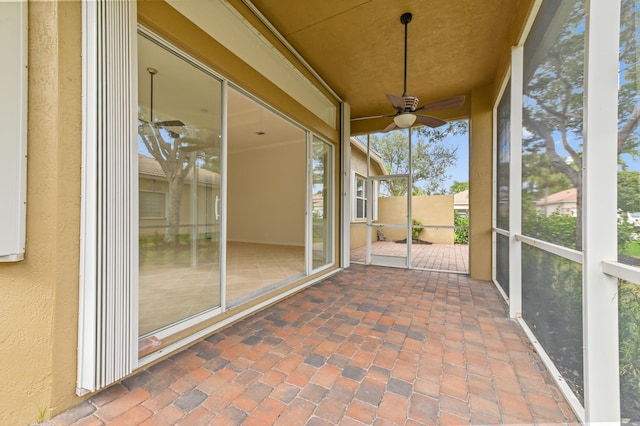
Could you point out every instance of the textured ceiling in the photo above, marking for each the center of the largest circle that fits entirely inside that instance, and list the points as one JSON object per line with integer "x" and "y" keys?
{"x": 357, "y": 46}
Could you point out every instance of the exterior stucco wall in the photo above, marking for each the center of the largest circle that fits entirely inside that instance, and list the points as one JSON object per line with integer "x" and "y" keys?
{"x": 358, "y": 231}
{"x": 40, "y": 294}
{"x": 480, "y": 183}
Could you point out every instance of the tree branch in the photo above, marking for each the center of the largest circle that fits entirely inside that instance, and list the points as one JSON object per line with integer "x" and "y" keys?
{"x": 557, "y": 161}
{"x": 629, "y": 127}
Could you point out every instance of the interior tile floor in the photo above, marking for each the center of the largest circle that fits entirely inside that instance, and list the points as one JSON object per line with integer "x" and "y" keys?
{"x": 367, "y": 346}
{"x": 171, "y": 291}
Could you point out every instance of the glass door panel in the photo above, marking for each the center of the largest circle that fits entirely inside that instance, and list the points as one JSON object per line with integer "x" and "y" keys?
{"x": 387, "y": 240}
{"x": 179, "y": 122}
{"x": 321, "y": 196}
{"x": 266, "y": 199}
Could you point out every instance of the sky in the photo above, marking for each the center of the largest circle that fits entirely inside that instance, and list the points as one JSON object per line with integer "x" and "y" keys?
{"x": 460, "y": 172}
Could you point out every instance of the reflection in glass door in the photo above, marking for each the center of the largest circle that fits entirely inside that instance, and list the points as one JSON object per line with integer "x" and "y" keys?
{"x": 179, "y": 122}
{"x": 387, "y": 237}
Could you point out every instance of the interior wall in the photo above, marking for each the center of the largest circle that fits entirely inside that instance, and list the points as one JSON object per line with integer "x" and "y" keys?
{"x": 266, "y": 195}
{"x": 39, "y": 295}
{"x": 480, "y": 183}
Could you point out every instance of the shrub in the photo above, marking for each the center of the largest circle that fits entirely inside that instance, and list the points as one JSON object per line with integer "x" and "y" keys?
{"x": 461, "y": 235}
{"x": 629, "y": 329}
{"x": 416, "y": 230}
{"x": 556, "y": 228}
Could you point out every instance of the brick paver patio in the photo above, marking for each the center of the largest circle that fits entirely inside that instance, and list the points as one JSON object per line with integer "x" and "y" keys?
{"x": 441, "y": 257}
{"x": 368, "y": 346}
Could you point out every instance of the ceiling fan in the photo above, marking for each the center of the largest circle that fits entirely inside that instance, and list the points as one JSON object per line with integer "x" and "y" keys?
{"x": 184, "y": 142}
{"x": 169, "y": 123}
{"x": 406, "y": 106}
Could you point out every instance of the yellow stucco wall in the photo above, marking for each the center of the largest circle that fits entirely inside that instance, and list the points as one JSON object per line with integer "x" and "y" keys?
{"x": 436, "y": 210}
{"x": 430, "y": 210}
{"x": 40, "y": 294}
{"x": 480, "y": 183}
{"x": 358, "y": 230}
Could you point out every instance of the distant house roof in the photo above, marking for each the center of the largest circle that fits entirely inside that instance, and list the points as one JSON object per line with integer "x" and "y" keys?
{"x": 461, "y": 198}
{"x": 566, "y": 196}
{"x": 148, "y": 166}
{"x": 362, "y": 147}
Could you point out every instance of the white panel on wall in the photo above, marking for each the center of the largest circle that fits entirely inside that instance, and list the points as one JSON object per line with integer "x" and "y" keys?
{"x": 13, "y": 122}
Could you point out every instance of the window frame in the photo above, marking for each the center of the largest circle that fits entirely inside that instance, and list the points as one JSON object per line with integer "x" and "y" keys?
{"x": 356, "y": 198}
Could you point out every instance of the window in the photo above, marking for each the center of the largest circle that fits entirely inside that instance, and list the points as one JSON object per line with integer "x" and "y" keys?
{"x": 360, "y": 199}
{"x": 152, "y": 205}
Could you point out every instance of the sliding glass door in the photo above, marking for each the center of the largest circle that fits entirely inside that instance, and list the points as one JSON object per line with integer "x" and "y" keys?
{"x": 235, "y": 199}
{"x": 179, "y": 139}
{"x": 321, "y": 203}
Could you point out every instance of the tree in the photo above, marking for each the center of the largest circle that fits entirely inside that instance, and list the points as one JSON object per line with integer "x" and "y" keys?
{"x": 554, "y": 97}
{"x": 457, "y": 187}
{"x": 430, "y": 153}
{"x": 167, "y": 148}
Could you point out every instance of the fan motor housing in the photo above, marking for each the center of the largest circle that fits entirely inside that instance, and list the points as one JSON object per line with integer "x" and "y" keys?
{"x": 410, "y": 103}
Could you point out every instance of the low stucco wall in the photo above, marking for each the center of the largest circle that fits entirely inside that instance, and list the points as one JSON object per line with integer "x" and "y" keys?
{"x": 435, "y": 210}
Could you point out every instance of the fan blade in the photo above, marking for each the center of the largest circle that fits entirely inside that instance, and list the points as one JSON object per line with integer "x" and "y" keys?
{"x": 449, "y": 103}
{"x": 371, "y": 117}
{"x": 430, "y": 121}
{"x": 170, "y": 123}
{"x": 397, "y": 102}
{"x": 390, "y": 127}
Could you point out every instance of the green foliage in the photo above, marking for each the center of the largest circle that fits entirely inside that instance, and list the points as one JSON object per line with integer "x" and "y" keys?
{"x": 629, "y": 333}
{"x": 629, "y": 248}
{"x": 457, "y": 187}
{"x": 626, "y": 243}
{"x": 42, "y": 414}
{"x": 416, "y": 230}
{"x": 461, "y": 235}
{"x": 552, "y": 294}
{"x": 552, "y": 306}
{"x": 629, "y": 191}
{"x": 540, "y": 178}
{"x": 556, "y": 228}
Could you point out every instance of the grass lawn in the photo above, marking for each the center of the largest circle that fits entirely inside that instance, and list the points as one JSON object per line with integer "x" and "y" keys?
{"x": 632, "y": 249}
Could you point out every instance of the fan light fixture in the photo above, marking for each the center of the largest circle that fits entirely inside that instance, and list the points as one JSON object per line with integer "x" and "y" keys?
{"x": 404, "y": 120}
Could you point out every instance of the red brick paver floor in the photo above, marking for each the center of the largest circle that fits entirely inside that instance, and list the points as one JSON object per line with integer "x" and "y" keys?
{"x": 368, "y": 346}
{"x": 440, "y": 257}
